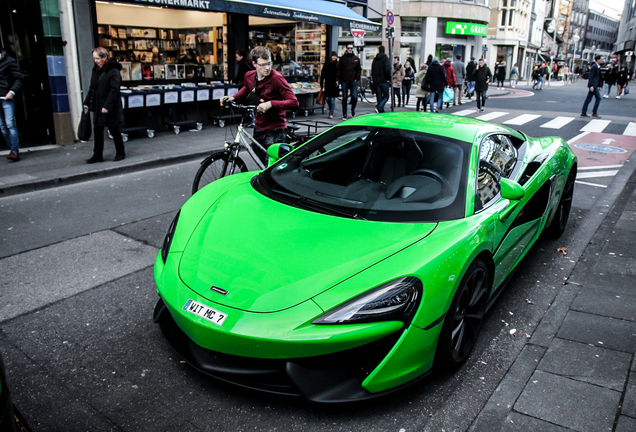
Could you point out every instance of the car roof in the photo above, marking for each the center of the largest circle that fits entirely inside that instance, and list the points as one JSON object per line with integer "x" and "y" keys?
{"x": 446, "y": 125}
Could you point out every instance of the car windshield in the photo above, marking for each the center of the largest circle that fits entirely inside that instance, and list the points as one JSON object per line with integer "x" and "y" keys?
{"x": 373, "y": 173}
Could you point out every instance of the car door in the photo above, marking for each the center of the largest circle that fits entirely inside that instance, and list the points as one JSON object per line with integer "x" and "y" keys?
{"x": 514, "y": 227}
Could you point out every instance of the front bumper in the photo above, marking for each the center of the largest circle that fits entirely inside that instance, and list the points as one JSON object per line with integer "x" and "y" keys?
{"x": 326, "y": 378}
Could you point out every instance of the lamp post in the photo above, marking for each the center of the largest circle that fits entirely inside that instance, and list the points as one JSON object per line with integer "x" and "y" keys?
{"x": 575, "y": 39}
{"x": 552, "y": 28}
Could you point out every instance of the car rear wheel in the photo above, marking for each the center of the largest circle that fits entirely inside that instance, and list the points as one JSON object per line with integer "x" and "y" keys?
{"x": 464, "y": 318}
{"x": 560, "y": 220}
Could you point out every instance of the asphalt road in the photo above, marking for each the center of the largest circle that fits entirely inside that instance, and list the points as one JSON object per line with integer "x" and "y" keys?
{"x": 82, "y": 352}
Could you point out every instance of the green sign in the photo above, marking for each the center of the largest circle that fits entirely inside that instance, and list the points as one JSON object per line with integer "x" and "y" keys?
{"x": 467, "y": 29}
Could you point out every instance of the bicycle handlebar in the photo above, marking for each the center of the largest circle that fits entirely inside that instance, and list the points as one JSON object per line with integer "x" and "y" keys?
{"x": 233, "y": 104}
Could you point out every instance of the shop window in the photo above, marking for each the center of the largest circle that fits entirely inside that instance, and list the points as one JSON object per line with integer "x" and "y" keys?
{"x": 411, "y": 27}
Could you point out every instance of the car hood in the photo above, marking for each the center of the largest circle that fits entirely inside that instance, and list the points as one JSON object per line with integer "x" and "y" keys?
{"x": 264, "y": 256}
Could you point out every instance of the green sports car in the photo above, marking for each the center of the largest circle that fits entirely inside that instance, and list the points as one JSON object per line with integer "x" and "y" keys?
{"x": 360, "y": 261}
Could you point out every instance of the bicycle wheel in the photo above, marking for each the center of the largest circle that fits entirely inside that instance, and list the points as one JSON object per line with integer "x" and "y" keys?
{"x": 368, "y": 96}
{"x": 214, "y": 167}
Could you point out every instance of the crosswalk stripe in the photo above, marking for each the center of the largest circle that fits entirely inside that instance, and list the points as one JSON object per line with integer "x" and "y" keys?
{"x": 630, "y": 130}
{"x": 522, "y": 119}
{"x": 594, "y": 174}
{"x": 465, "y": 112}
{"x": 599, "y": 167}
{"x": 557, "y": 123}
{"x": 492, "y": 115}
{"x": 595, "y": 126}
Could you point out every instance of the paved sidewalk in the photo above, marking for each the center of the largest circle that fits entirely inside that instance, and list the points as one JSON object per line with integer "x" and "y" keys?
{"x": 577, "y": 371}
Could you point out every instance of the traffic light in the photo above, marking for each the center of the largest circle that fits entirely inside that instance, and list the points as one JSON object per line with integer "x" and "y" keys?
{"x": 390, "y": 32}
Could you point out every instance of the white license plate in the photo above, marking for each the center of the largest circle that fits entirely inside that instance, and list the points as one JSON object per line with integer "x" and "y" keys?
{"x": 206, "y": 312}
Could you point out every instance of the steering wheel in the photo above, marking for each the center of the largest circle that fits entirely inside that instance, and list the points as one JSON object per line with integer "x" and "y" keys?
{"x": 446, "y": 187}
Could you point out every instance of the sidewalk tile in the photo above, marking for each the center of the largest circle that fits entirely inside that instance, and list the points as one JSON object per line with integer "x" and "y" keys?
{"x": 569, "y": 403}
{"x": 599, "y": 331}
{"x": 609, "y": 303}
{"x": 625, "y": 424}
{"x": 523, "y": 423}
{"x": 582, "y": 362}
{"x": 629, "y": 403}
{"x": 627, "y": 221}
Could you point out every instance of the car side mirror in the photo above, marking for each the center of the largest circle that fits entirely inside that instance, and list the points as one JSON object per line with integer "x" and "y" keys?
{"x": 511, "y": 190}
{"x": 277, "y": 151}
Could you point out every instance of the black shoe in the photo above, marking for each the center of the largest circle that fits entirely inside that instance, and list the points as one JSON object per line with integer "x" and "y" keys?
{"x": 94, "y": 159}
{"x": 119, "y": 157}
{"x": 13, "y": 156}
{"x": 584, "y": 115}
{"x": 596, "y": 116}
{"x": 344, "y": 117}
{"x": 353, "y": 113}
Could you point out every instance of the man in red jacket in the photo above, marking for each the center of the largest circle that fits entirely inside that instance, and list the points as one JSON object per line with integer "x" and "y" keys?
{"x": 269, "y": 90}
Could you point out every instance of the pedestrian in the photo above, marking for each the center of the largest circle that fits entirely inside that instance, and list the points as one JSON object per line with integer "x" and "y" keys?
{"x": 407, "y": 82}
{"x": 460, "y": 76}
{"x": 621, "y": 80}
{"x": 420, "y": 93}
{"x": 435, "y": 80}
{"x": 244, "y": 66}
{"x": 269, "y": 90}
{"x": 543, "y": 70}
{"x": 470, "y": 70}
{"x": 482, "y": 77}
{"x": 412, "y": 63}
{"x": 398, "y": 76}
{"x": 500, "y": 73}
{"x": 10, "y": 83}
{"x": 535, "y": 76}
{"x": 429, "y": 60}
{"x": 381, "y": 75}
{"x": 104, "y": 100}
{"x": 329, "y": 82}
{"x": 610, "y": 79}
{"x": 349, "y": 71}
{"x": 593, "y": 83}
{"x": 451, "y": 81}
{"x": 514, "y": 76}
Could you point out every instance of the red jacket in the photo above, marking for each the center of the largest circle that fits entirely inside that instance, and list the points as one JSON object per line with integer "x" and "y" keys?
{"x": 450, "y": 74}
{"x": 274, "y": 89}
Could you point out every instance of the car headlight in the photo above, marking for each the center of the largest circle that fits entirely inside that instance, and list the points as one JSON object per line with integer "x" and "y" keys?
{"x": 167, "y": 241}
{"x": 395, "y": 300}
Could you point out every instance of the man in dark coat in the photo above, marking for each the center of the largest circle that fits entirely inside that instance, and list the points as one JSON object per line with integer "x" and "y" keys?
{"x": 436, "y": 80}
{"x": 482, "y": 76}
{"x": 104, "y": 100}
{"x": 470, "y": 70}
{"x": 594, "y": 83}
{"x": 381, "y": 75}
{"x": 10, "y": 83}
{"x": 349, "y": 71}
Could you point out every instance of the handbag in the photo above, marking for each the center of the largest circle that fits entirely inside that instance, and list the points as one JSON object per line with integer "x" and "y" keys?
{"x": 321, "y": 98}
{"x": 84, "y": 129}
{"x": 448, "y": 95}
{"x": 626, "y": 90}
{"x": 426, "y": 84}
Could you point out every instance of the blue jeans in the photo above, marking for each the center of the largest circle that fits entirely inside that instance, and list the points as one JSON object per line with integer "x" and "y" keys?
{"x": 382, "y": 95}
{"x": 608, "y": 89}
{"x": 597, "y": 94}
{"x": 331, "y": 102}
{"x": 436, "y": 97}
{"x": 540, "y": 83}
{"x": 7, "y": 124}
{"x": 346, "y": 88}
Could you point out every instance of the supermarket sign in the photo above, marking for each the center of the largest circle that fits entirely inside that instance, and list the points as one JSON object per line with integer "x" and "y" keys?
{"x": 466, "y": 29}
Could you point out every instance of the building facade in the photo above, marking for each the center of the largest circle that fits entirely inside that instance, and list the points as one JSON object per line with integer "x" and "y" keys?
{"x": 626, "y": 40}
{"x": 602, "y": 32}
{"x": 511, "y": 22}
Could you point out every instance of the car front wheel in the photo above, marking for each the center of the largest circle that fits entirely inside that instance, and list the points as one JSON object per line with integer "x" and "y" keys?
{"x": 464, "y": 318}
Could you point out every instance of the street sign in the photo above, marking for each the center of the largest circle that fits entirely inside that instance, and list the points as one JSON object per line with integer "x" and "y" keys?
{"x": 389, "y": 5}
{"x": 484, "y": 48}
{"x": 358, "y": 37}
{"x": 390, "y": 18}
{"x": 552, "y": 53}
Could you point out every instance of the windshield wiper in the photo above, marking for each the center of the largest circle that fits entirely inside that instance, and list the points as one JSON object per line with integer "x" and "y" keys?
{"x": 311, "y": 204}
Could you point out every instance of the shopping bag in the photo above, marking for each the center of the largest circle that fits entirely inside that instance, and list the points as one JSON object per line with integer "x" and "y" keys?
{"x": 320, "y": 99}
{"x": 448, "y": 95}
{"x": 626, "y": 90}
{"x": 84, "y": 130}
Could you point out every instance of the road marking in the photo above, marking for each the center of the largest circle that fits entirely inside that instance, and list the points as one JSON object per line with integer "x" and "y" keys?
{"x": 465, "y": 112}
{"x": 630, "y": 130}
{"x": 557, "y": 123}
{"x": 594, "y": 174}
{"x": 522, "y": 119}
{"x": 599, "y": 167}
{"x": 596, "y": 126}
{"x": 591, "y": 184}
{"x": 492, "y": 115}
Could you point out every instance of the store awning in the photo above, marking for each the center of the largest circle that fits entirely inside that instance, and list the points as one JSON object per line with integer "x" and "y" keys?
{"x": 317, "y": 11}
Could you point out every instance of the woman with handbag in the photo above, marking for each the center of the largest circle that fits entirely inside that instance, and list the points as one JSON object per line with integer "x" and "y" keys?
{"x": 329, "y": 83}
{"x": 398, "y": 76}
{"x": 104, "y": 100}
{"x": 420, "y": 93}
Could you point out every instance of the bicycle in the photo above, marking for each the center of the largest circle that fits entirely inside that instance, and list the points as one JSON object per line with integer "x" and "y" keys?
{"x": 227, "y": 161}
{"x": 366, "y": 92}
